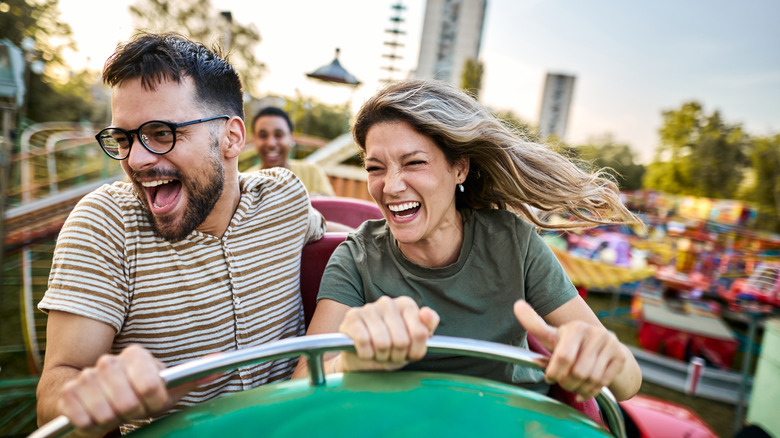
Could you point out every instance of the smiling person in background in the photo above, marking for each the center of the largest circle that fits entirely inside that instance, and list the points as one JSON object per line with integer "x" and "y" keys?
{"x": 458, "y": 252}
{"x": 273, "y": 140}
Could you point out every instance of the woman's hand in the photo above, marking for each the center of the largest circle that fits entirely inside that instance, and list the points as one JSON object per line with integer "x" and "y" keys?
{"x": 388, "y": 334}
{"x": 585, "y": 357}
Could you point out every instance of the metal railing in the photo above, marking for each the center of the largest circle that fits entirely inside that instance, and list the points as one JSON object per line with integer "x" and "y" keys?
{"x": 56, "y": 156}
{"x": 314, "y": 346}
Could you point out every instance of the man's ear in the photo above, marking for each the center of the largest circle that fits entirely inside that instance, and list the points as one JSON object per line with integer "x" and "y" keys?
{"x": 235, "y": 133}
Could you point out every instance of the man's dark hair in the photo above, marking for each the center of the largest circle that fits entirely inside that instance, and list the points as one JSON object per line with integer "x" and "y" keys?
{"x": 157, "y": 57}
{"x": 272, "y": 111}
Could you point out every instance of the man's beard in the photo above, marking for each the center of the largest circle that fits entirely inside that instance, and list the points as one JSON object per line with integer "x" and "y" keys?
{"x": 202, "y": 195}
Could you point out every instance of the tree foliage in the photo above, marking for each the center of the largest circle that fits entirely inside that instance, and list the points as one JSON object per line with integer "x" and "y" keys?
{"x": 314, "y": 118}
{"x": 763, "y": 187}
{"x": 47, "y": 99}
{"x": 522, "y": 127}
{"x": 471, "y": 78}
{"x": 20, "y": 19}
{"x": 699, "y": 154}
{"x": 48, "y": 102}
{"x": 198, "y": 20}
{"x": 617, "y": 159}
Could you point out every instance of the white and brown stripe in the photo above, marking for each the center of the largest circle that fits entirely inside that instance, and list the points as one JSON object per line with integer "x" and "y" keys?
{"x": 183, "y": 300}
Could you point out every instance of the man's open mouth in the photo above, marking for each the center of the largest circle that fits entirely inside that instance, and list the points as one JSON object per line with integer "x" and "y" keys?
{"x": 162, "y": 192}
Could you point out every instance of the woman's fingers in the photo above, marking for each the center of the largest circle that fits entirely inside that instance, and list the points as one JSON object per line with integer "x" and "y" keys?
{"x": 390, "y": 331}
{"x": 598, "y": 360}
{"x": 606, "y": 367}
{"x": 565, "y": 356}
{"x": 354, "y": 326}
{"x": 430, "y": 318}
{"x": 420, "y": 325}
{"x": 585, "y": 357}
{"x": 394, "y": 314}
{"x": 535, "y": 325}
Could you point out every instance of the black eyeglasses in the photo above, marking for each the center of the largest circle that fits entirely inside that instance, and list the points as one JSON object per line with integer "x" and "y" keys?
{"x": 156, "y": 136}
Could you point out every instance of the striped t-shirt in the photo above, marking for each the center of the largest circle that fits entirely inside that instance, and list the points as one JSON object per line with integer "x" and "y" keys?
{"x": 183, "y": 300}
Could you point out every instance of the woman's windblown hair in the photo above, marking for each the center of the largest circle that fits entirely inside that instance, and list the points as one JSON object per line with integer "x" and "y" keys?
{"x": 506, "y": 170}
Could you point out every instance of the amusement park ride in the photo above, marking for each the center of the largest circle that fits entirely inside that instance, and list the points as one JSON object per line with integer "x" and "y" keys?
{"x": 401, "y": 403}
{"x": 695, "y": 286}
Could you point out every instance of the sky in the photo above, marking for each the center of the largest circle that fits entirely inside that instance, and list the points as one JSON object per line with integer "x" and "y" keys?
{"x": 632, "y": 60}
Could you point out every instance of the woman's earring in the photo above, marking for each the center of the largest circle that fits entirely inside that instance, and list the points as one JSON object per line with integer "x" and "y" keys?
{"x": 460, "y": 187}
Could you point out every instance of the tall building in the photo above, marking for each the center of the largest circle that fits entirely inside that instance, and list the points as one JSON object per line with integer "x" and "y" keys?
{"x": 452, "y": 33}
{"x": 556, "y": 102}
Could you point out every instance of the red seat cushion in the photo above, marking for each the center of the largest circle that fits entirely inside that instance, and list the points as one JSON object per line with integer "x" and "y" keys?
{"x": 347, "y": 211}
{"x": 314, "y": 258}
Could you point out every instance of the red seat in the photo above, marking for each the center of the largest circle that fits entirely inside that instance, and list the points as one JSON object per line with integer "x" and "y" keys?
{"x": 347, "y": 211}
{"x": 313, "y": 261}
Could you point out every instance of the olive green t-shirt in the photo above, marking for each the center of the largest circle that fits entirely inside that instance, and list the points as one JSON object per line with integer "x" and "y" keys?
{"x": 502, "y": 260}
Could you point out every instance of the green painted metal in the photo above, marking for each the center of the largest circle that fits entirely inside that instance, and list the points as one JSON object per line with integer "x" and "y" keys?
{"x": 379, "y": 405}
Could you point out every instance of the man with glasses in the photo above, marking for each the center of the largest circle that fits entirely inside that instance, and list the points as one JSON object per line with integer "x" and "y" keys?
{"x": 186, "y": 258}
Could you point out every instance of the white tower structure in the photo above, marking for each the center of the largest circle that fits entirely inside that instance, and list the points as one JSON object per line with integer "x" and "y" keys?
{"x": 556, "y": 102}
{"x": 452, "y": 33}
{"x": 393, "y": 43}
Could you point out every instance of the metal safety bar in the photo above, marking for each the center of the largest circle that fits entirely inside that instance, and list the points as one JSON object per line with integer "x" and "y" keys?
{"x": 315, "y": 346}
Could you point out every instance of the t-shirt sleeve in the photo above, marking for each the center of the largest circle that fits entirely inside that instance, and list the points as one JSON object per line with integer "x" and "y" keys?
{"x": 89, "y": 273}
{"x": 317, "y": 225}
{"x": 547, "y": 286}
{"x": 341, "y": 280}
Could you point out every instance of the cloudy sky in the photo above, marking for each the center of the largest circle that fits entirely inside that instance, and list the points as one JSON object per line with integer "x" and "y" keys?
{"x": 632, "y": 60}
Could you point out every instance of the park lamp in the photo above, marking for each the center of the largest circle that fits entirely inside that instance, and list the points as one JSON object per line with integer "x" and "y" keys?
{"x": 334, "y": 73}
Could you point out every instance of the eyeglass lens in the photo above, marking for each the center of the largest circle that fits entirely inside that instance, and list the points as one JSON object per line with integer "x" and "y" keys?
{"x": 156, "y": 136}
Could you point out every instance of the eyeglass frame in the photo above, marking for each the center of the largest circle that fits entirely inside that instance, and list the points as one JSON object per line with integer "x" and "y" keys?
{"x": 136, "y": 133}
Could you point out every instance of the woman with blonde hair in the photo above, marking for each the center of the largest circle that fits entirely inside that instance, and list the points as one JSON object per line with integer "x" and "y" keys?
{"x": 458, "y": 252}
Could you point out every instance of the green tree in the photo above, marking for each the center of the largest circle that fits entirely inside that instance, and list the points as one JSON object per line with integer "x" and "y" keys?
{"x": 314, "y": 118}
{"x": 764, "y": 185}
{"x": 519, "y": 125}
{"x": 699, "y": 154}
{"x": 617, "y": 159}
{"x": 666, "y": 176}
{"x": 49, "y": 102}
{"x": 198, "y": 20}
{"x": 471, "y": 78}
{"x": 39, "y": 20}
{"x": 718, "y": 160}
{"x": 670, "y": 170}
{"x": 49, "y": 98}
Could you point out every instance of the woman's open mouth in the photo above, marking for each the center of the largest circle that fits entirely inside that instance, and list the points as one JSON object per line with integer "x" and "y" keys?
{"x": 406, "y": 209}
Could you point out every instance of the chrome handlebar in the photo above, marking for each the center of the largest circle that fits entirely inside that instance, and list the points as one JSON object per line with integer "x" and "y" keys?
{"x": 315, "y": 346}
